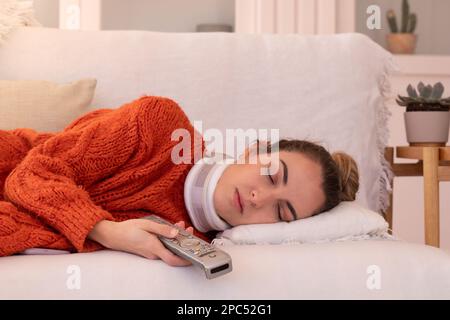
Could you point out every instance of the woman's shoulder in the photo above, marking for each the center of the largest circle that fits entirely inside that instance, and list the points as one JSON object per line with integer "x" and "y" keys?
{"x": 161, "y": 106}
{"x": 162, "y": 115}
{"x": 88, "y": 118}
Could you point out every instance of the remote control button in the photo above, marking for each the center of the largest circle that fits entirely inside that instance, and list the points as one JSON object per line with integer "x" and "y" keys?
{"x": 205, "y": 251}
{"x": 189, "y": 243}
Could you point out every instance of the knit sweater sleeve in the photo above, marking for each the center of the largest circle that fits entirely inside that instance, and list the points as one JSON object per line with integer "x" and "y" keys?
{"x": 51, "y": 180}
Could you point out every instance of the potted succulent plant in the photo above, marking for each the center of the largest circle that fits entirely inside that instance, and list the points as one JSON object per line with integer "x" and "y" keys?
{"x": 402, "y": 41}
{"x": 427, "y": 116}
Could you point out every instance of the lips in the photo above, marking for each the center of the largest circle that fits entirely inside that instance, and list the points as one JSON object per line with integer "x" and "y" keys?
{"x": 237, "y": 201}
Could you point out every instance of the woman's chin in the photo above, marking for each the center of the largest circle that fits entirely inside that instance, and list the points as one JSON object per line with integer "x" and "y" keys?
{"x": 229, "y": 219}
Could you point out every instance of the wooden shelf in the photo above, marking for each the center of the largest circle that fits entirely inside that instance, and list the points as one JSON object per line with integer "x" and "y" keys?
{"x": 434, "y": 166}
{"x": 409, "y": 152}
{"x": 423, "y": 64}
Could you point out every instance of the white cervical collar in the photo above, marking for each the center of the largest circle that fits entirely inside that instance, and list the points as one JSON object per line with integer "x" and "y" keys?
{"x": 199, "y": 187}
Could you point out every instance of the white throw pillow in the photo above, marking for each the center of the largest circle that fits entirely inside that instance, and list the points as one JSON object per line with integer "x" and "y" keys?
{"x": 348, "y": 220}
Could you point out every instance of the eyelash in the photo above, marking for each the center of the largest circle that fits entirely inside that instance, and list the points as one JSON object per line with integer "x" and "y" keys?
{"x": 278, "y": 205}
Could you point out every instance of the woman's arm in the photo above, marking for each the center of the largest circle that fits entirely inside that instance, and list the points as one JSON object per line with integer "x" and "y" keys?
{"x": 50, "y": 182}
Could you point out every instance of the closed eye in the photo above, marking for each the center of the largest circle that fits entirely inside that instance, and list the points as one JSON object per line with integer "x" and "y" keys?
{"x": 270, "y": 177}
{"x": 278, "y": 205}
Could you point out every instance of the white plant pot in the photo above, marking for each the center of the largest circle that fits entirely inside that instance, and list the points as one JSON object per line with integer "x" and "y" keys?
{"x": 427, "y": 127}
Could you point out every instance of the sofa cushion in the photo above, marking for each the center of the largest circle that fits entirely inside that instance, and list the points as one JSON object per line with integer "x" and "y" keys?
{"x": 371, "y": 269}
{"x": 43, "y": 105}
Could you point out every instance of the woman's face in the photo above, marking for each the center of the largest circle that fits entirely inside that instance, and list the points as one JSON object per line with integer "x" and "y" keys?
{"x": 293, "y": 192}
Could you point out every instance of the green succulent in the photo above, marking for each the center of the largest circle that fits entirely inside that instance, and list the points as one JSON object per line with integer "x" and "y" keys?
{"x": 426, "y": 98}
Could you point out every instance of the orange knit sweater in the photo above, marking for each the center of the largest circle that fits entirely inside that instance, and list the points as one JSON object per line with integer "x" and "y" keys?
{"x": 110, "y": 164}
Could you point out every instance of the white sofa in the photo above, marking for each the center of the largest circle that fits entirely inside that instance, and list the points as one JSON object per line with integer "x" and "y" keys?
{"x": 342, "y": 270}
{"x": 227, "y": 81}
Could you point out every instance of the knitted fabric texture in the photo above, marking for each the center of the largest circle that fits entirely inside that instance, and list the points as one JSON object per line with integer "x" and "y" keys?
{"x": 112, "y": 164}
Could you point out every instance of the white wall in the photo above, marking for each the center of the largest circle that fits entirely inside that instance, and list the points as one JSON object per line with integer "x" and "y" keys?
{"x": 47, "y": 12}
{"x": 433, "y": 25}
{"x": 155, "y": 15}
{"x": 165, "y": 15}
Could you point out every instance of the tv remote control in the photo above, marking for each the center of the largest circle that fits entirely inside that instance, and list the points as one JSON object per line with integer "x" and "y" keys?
{"x": 212, "y": 260}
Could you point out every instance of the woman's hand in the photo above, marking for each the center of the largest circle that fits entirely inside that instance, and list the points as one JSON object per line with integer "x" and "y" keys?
{"x": 139, "y": 236}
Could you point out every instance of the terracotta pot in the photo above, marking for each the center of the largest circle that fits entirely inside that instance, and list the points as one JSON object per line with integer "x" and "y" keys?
{"x": 401, "y": 43}
{"x": 427, "y": 127}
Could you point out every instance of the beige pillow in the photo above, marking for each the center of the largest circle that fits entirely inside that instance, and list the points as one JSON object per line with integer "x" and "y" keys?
{"x": 42, "y": 105}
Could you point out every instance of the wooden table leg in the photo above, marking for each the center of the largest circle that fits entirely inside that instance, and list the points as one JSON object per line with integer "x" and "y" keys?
{"x": 389, "y": 156}
{"x": 431, "y": 192}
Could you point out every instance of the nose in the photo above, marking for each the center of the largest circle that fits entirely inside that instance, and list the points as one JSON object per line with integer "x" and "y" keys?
{"x": 260, "y": 198}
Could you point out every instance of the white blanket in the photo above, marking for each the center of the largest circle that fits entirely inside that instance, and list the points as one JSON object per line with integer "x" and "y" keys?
{"x": 327, "y": 89}
{"x": 15, "y": 14}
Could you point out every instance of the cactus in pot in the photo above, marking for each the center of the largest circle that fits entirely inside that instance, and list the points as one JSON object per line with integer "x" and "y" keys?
{"x": 402, "y": 40}
{"x": 427, "y": 116}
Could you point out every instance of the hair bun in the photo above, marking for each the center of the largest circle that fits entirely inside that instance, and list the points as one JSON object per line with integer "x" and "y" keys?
{"x": 349, "y": 175}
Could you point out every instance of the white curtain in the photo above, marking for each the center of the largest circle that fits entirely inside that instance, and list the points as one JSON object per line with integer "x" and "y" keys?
{"x": 295, "y": 16}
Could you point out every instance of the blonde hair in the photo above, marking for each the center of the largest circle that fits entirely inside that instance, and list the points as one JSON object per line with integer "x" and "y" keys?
{"x": 349, "y": 175}
{"x": 340, "y": 176}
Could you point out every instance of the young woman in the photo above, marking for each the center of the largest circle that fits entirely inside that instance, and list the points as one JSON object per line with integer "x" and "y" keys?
{"x": 87, "y": 187}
